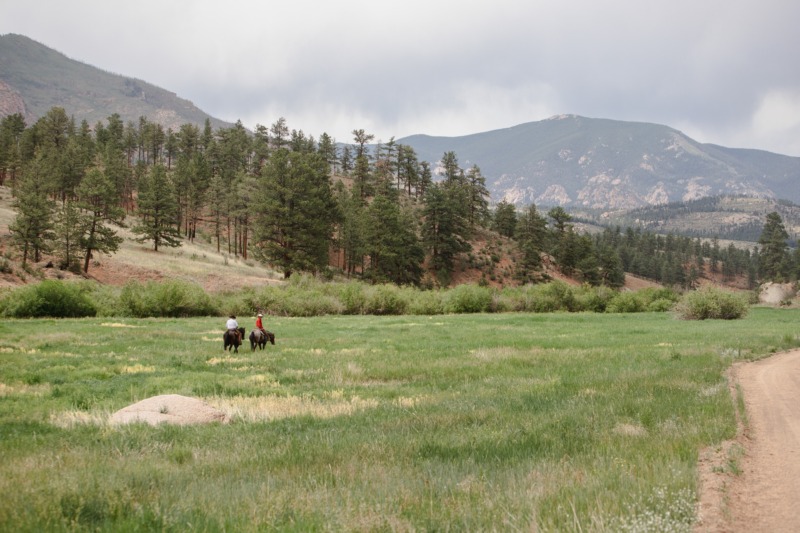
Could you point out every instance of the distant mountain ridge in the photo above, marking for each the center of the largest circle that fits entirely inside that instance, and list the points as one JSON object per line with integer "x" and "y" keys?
{"x": 35, "y": 78}
{"x": 582, "y": 162}
{"x": 568, "y": 160}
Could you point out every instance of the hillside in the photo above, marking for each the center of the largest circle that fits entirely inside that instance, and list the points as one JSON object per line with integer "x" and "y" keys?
{"x": 734, "y": 218}
{"x": 491, "y": 261}
{"x": 585, "y": 163}
{"x": 35, "y": 78}
{"x": 196, "y": 262}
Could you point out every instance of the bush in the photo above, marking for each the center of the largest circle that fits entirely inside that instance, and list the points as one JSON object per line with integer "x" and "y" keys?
{"x": 712, "y": 303}
{"x": 468, "y": 299}
{"x": 352, "y": 298}
{"x": 594, "y": 299}
{"x": 385, "y": 300}
{"x": 165, "y": 299}
{"x": 627, "y": 302}
{"x": 426, "y": 303}
{"x": 649, "y": 299}
{"x": 545, "y": 298}
{"x": 50, "y": 298}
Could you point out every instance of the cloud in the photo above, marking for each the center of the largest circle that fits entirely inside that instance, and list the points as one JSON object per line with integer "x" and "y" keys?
{"x": 719, "y": 69}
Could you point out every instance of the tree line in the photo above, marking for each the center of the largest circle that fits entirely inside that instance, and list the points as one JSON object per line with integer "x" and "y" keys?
{"x": 369, "y": 210}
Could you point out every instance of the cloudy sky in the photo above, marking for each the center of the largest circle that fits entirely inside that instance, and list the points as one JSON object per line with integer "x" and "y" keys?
{"x": 721, "y": 71}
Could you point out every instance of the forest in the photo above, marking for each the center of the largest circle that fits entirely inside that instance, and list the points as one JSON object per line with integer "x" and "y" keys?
{"x": 363, "y": 210}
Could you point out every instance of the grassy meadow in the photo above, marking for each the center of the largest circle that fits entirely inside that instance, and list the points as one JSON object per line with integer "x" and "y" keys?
{"x": 549, "y": 422}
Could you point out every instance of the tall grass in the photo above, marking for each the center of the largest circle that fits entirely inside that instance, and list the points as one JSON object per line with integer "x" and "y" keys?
{"x": 551, "y": 421}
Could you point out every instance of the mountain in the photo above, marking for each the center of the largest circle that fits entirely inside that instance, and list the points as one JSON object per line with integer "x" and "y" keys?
{"x": 35, "y": 78}
{"x": 580, "y": 162}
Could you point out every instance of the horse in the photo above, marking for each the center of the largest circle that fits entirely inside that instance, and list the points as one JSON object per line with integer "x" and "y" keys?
{"x": 259, "y": 338}
{"x": 231, "y": 340}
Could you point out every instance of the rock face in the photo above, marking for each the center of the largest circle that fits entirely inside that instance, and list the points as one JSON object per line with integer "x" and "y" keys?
{"x": 11, "y": 102}
{"x": 169, "y": 409}
{"x": 775, "y": 293}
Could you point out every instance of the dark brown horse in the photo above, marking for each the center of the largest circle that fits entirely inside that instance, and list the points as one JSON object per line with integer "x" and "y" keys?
{"x": 230, "y": 339}
{"x": 259, "y": 338}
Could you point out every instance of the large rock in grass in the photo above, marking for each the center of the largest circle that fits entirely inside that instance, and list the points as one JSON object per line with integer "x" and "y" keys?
{"x": 776, "y": 293}
{"x": 169, "y": 409}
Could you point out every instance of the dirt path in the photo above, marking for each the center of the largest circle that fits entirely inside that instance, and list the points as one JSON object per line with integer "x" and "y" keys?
{"x": 764, "y": 496}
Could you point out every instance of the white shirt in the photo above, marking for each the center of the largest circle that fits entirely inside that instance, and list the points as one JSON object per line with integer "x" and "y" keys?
{"x": 232, "y": 324}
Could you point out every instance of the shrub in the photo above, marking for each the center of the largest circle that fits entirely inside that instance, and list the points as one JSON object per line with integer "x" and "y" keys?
{"x": 711, "y": 302}
{"x": 649, "y": 299}
{"x": 426, "y": 303}
{"x": 594, "y": 299}
{"x": 468, "y": 298}
{"x": 49, "y": 298}
{"x": 385, "y": 300}
{"x": 352, "y": 298}
{"x": 627, "y": 302}
{"x": 165, "y": 299}
{"x": 307, "y": 303}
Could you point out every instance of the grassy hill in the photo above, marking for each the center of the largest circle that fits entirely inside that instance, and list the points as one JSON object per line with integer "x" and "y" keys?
{"x": 197, "y": 262}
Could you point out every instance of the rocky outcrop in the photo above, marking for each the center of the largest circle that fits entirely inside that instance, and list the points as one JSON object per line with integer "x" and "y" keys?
{"x": 776, "y": 293}
{"x": 11, "y": 102}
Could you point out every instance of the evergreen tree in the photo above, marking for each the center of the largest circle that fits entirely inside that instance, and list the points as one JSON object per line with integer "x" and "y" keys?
{"x": 774, "y": 249}
{"x": 394, "y": 251}
{"x": 157, "y": 211}
{"x": 505, "y": 219}
{"x": 478, "y": 197}
{"x": 531, "y": 234}
{"x": 351, "y": 229}
{"x": 12, "y": 128}
{"x": 98, "y": 198}
{"x": 295, "y": 222}
{"x": 444, "y": 231}
{"x": 32, "y": 229}
{"x": 68, "y": 230}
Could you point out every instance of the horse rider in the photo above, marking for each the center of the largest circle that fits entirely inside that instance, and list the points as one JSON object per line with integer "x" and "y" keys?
{"x": 259, "y": 324}
{"x": 233, "y": 327}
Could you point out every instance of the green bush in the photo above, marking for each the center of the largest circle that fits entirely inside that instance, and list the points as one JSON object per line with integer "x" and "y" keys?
{"x": 468, "y": 298}
{"x": 711, "y": 302}
{"x": 649, "y": 299}
{"x": 545, "y": 298}
{"x": 49, "y": 298}
{"x": 426, "y": 303}
{"x": 352, "y": 298}
{"x": 385, "y": 300}
{"x": 594, "y": 299}
{"x": 171, "y": 298}
{"x": 627, "y": 302}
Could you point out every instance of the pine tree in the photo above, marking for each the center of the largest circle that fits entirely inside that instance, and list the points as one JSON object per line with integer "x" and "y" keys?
{"x": 68, "y": 230}
{"x": 774, "y": 249}
{"x": 98, "y": 198}
{"x": 531, "y": 234}
{"x": 157, "y": 210}
{"x": 505, "y": 219}
{"x": 294, "y": 225}
{"x": 394, "y": 251}
{"x": 444, "y": 230}
{"x": 32, "y": 229}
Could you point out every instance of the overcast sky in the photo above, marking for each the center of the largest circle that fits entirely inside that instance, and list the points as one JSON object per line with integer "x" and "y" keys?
{"x": 721, "y": 71}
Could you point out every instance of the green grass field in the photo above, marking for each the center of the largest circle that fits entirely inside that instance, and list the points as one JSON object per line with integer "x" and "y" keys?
{"x": 561, "y": 422}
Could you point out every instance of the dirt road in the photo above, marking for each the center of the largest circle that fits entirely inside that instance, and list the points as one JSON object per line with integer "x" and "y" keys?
{"x": 761, "y": 491}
